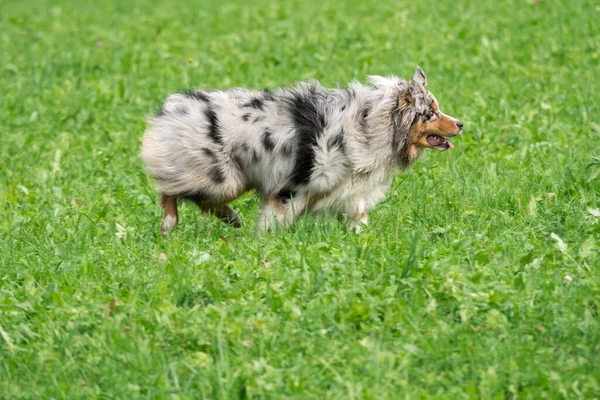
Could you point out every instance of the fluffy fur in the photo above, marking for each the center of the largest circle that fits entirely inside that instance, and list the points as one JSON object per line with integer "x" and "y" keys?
{"x": 302, "y": 148}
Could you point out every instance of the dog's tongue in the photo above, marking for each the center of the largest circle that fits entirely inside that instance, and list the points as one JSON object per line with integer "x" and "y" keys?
{"x": 439, "y": 142}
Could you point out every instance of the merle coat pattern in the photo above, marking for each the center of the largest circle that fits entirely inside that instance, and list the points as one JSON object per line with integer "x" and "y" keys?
{"x": 302, "y": 148}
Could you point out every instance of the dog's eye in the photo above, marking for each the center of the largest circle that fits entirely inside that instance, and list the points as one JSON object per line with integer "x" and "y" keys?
{"x": 430, "y": 115}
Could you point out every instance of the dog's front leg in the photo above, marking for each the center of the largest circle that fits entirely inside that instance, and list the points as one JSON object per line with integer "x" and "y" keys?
{"x": 357, "y": 222}
{"x": 358, "y": 217}
{"x": 280, "y": 211}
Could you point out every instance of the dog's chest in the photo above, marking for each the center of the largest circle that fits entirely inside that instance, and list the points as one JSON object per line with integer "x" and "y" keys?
{"x": 368, "y": 188}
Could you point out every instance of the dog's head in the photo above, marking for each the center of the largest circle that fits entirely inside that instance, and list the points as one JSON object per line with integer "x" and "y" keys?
{"x": 417, "y": 121}
{"x": 430, "y": 127}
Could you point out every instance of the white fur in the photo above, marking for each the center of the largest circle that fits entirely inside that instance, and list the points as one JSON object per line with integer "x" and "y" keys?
{"x": 168, "y": 224}
{"x": 213, "y": 146}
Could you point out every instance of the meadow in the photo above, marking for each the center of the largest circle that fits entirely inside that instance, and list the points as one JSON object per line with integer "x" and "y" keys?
{"x": 477, "y": 278}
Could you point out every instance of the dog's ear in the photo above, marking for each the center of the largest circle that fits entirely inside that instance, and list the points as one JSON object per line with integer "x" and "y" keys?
{"x": 420, "y": 77}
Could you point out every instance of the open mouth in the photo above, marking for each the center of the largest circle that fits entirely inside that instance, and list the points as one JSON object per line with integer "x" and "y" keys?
{"x": 439, "y": 142}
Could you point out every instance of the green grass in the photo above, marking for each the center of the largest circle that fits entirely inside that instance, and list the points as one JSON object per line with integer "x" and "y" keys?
{"x": 477, "y": 278}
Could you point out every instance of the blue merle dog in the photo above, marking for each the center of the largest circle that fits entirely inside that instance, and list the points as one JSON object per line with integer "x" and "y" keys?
{"x": 306, "y": 148}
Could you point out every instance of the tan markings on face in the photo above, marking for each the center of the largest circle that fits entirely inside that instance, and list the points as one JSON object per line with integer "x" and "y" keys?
{"x": 418, "y": 134}
{"x": 416, "y": 141}
{"x": 444, "y": 125}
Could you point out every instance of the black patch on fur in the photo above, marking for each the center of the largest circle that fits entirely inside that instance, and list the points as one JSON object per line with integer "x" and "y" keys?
{"x": 213, "y": 125}
{"x": 255, "y": 103}
{"x": 197, "y": 197}
{"x": 285, "y": 195}
{"x": 255, "y": 157}
{"x": 268, "y": 95}
{"x": 196, "y": 94}
{"x": 259, "y": 119}
{"x": 209, "y": 153}
{"x": 337, "y": 141}
{"x": 309, "y": 122}
{"x": 287, "y": 149}
{"x": 246, "y": 117}
{"x": 343, "y": 108}
{"x": 216, "y": 175}
{"x": 366, "y": 111}
{"x": 267, "y": 141}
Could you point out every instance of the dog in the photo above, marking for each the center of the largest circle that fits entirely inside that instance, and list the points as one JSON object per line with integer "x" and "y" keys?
{"x": 305, "y": 148}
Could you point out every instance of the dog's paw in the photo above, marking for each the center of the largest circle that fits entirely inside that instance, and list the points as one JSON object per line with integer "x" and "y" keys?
{"x": 357, "y": 228}
{"x": 359, "y": 222}
{"x": 167, "y": 225}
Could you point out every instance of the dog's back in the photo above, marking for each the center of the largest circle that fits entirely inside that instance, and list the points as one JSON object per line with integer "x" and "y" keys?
{"x": 220, "y": 144}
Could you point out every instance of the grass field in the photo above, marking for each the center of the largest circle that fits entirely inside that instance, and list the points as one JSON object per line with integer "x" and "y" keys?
{"x": 477, "y": 278}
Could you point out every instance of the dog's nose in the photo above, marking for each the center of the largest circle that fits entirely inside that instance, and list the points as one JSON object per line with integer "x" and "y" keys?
{"x": 459, "y": 124}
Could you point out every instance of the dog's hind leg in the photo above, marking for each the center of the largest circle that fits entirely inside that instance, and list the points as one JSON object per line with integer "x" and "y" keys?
{"x": 223, "y": 212}
{"x": 170, "y": 219}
